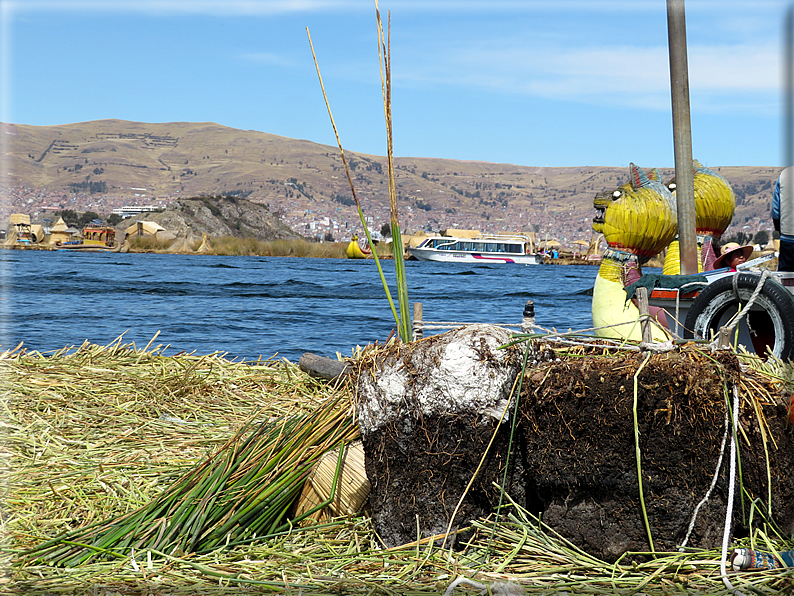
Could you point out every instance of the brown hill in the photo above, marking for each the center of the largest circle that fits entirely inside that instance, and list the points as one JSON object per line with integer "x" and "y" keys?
{"x": 221, "y": 216}
{"x": 108, "y": 163}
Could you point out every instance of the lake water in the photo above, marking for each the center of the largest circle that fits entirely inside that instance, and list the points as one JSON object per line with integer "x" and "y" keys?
{"x": 262, "y": 306}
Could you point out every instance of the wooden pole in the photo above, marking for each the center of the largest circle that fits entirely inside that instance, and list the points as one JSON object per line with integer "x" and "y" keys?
{"x": 645, "y": 316}
{"x": 682, "y": 137}
{"x": 417, "y": 323}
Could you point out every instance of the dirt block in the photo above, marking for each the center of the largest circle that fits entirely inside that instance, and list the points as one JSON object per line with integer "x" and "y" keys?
{"x": 427, "y": 413}
{"x": 578, "y": 431}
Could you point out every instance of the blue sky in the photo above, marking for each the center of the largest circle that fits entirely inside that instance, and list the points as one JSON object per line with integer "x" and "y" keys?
{"x": 533, "y": 82}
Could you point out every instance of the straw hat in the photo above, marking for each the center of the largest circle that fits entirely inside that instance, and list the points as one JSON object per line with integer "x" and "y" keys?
{"x": 732, "y": 247}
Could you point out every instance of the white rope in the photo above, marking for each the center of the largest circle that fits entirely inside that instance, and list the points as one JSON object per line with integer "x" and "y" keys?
{"x": 468, "y": 582}
{"x": 572, "y": 342}
{"x": 497, "y": 588}
{"x": 455, "y": 324}
{"x": 421, "y": 325}
{"x": 714, "y": 479}
{"x": 726, "y": 535}
{"x": 678, "y": 291}
{"x": 553, "y": 334}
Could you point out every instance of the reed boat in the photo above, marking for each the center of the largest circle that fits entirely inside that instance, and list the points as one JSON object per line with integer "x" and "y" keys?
{"x": 355, "y": 251}
{"x": 482, "y": 248}
{"x": 98, "y": 235}
{"x": 747, "y": 307}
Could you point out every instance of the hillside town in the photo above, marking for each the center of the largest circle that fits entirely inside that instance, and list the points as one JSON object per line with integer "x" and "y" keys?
{"x": 105, "y": 166}
{"x": 330, "y": 221}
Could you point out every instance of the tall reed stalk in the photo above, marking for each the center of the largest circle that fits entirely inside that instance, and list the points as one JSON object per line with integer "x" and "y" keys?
{"x": 401, "y": 318}
{"x": 384, "y": 59}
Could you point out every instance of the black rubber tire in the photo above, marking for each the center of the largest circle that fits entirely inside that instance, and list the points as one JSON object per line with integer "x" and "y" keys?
{"x": 771, "y": 316}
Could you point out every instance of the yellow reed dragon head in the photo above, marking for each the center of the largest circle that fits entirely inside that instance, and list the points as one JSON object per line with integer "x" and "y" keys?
{"x": 639, "y": 217}
{"x": 714, "y": 201}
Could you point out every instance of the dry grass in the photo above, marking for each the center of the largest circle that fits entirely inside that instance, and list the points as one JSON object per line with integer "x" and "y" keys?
{"x": 97, "y": 431}
{"x": 234, "y": 246}
{"x": 147, "y": 243}
{"x": 102, "y": 429}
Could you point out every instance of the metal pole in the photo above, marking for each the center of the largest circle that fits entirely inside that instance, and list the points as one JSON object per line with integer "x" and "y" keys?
{"x": 788, "y": 89}
{"x": 682, "y": 137}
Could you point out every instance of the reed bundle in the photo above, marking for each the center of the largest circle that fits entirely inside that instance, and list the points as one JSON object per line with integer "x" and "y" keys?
{"x": 342, "y": 475}
{"x": 95, "y": 432}
{"x": 241, "y": 493}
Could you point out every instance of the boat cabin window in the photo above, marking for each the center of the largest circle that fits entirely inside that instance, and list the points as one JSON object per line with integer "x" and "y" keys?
{"x": 473, "y": 246}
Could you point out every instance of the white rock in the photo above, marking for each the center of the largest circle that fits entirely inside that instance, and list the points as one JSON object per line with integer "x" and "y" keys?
{"x": 461, "y": 370}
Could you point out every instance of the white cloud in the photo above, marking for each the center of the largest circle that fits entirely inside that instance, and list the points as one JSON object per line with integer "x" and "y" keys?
{"x": 625, "y": 75}
{"x": 735, "y": 68}
{"x": 733, "y": 54}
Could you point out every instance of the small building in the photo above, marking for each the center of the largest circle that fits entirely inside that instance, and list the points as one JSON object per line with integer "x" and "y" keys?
{"x": 37, "y": 233}
{"x": 60, "y": 234}
{"x": 150, "y": 228}
{"x": 461, "y": 233}
{"x": 19, "y": 225}
{"x": 22, "y": 231}
{"x": 414, "y": 240}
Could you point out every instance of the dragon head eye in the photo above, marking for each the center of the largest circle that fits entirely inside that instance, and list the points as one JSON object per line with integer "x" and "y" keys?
{"x": 671, "y": 186}
{"x": 616, "y": 195}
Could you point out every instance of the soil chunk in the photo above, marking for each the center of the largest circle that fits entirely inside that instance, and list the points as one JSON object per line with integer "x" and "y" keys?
{"x": 577, "y": 419}
{"x": 427, "y": 412}
{"x": 588, "y": 448}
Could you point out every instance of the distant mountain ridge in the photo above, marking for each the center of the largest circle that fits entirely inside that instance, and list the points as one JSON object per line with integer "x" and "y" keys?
{"x": 303, "y": 181}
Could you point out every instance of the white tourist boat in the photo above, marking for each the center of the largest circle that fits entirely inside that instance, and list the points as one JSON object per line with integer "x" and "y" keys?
{"x": 483, "y": 248}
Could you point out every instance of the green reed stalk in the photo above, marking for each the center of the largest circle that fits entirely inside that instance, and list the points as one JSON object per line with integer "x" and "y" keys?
{"x": 247, "y": 488}
{"x": 384, "y": 59}
{"x": 355, "y": 198}
{"x": 638, "y": 456}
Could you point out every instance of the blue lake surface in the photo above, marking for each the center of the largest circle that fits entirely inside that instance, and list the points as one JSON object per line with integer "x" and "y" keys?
{"x": 262, "y": 306}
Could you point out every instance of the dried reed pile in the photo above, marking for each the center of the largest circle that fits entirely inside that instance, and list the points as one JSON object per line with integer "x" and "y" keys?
{"x": 234, "y": 246}
{"x": 98, "y": 433}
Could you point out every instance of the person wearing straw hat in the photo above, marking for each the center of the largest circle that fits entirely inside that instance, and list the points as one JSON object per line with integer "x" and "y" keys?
{"x": 733, "y": 255}
{"x": 783, "y": 218}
